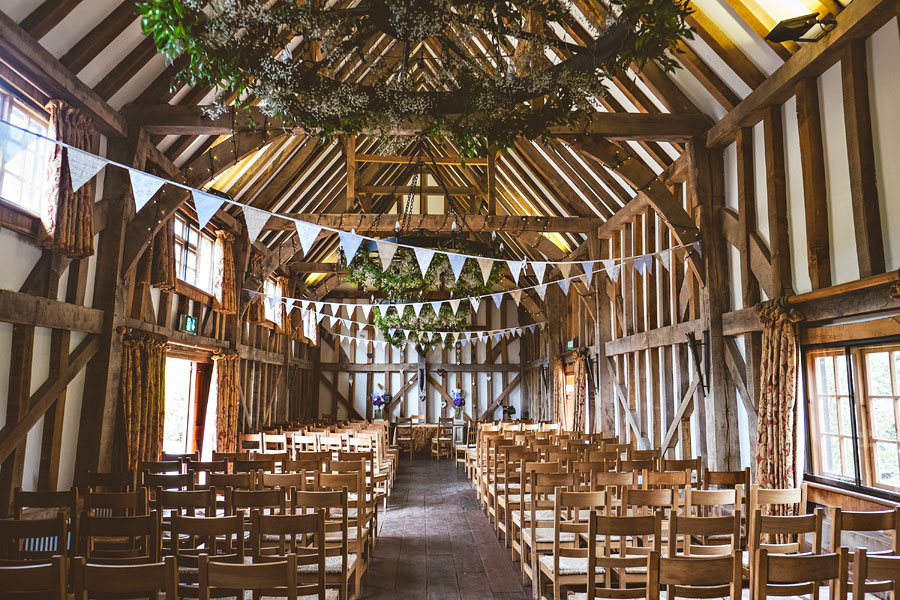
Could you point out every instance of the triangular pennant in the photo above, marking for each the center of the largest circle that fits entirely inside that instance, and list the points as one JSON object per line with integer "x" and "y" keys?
{"x": 515, "y": 269}
{"x": 255, "y": 219}
{"x": 271, "y": 301}
{"x": 541, "y": 290}
{"x": 531, "y": 328}
{"x": 584, "y": 280}
{"x": 516, "y": 296}
{"x": 424, "y": 257}
{"x": 457, "y": 262}
{"x": 474, "y": 301}
{"x": 454, "y": 305}
{"x": 386, "y": 252}
{"x": 565, "y": 268}
{"x": 639, "y": 265}
{"x": 564, "y": 286}
{"x": 497, "y": 298}
{"x": 206, "y": 205}
{"x": 497, "y": 337}
{"x": 665, "y": 257}
{"x": 366, "y": 310}
{"x": 613, "y": 272}
{"x": 331, "y": 320}
{"x": 320, "y": 306}
{"x": 143, "y": 187}
{"x": 307, "y": 233}
{"x": 350, "y": 243}
{"x": 486, "y": 264}
{"x": 319, "y": 317}
{"x": 288, "y": 305}
{"x": 417, "y": 308}
{"x": 83, "y": 166}
{"x": 697, "y": 248}
{"x": 436, "y": 307}
{"x": 13, "y": 141}
{"x": 540, "y": 268}
{"x": 588, "y": 266}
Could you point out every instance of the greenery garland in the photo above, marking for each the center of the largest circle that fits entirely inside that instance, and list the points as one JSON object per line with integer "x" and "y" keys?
{"x": 242, "y": 46}
{"x": 403, "y": 281}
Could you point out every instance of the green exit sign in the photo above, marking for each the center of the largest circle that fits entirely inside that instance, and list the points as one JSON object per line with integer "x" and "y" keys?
{"x": 188, "y": 323}
{"x": 570, "y": 344}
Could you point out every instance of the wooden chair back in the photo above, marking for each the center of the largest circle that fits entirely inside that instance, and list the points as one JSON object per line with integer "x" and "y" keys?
{"x": 617, "y": 551}
{"x": 274, "y": 443}
{"x": 300, "y": 534}
{"x": 681, "y": 464}
{"x": 874, "y": 520}
{"x": 635, "y": 466}
{"x": 250, "y": 441}
{"x": 708, "y": 503}
{"x": 28, "y": 540}
{"x": 220, "y": 537}
{"x": 107, "y": 482}
{"x": 116, "y": 504}
{"x": 180, "y": 456}
{"x": 122, "y": 540}
{"x": 46, "y": 580}
{"x": 786, "y": 535}
{"x": 704, "y": 536}
{"x": 168, "y": 481}
{"x": 243, "y": 480}
{"x": 65, "y": 502}
{"x": 154, "y": 580}
{"x": 776, "y": 574}
{"x": 691, "y": 577}
{"x": 161, "y": 466}
{"x": 276, "y": 578}
{"x": 875, "y": 573}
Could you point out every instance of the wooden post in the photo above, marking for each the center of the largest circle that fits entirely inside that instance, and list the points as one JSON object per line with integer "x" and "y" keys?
{"x": 350, "y": 151}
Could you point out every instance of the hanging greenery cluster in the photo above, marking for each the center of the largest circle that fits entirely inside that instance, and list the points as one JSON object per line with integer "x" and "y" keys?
{"x": 403, "y": 280}
{"x": 291, "y": 57}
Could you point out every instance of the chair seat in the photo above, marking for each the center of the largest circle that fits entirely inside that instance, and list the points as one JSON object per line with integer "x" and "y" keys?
{"x": 544, "y": 535}
{"x": 568, "y": 565}
{"x": 542, "y": 515}
{"x": 333, "y": 565}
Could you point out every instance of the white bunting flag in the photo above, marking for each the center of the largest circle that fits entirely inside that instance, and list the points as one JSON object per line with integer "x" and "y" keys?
{"x": 255, "y": 219}
{"x": 424, "y": 257}
{"x": 516, "y": 296}
{"x": 486, "y": 265}
{"x": 386, "y": 252}
{"x": 515, "y": 268}
{"x": 454, "y": 305}
{"x": 331, "y": 320}
{"x": 540, "y": 268}
{"x": 541, "y": 290}
{"x": 497, "y": 337}
{"x": 665, "y": 257}
{"x": 206, "y": 205}
{"x": 143, "y": 187}
{"x": 13, "y": 141}
{"x": 288, "y": 306}
{"x": 436, "y": 307}
{"x": 565, "y": 268}
{"x": 319, "y": 317}
{"x": 643, "y": 264}
{"x": 320, "y": 307}
{"x": 350, "y": 243}
{"x": 588, "y": 266}
{"x": 457, "y": 262}
{"x": 531, "y": 328}
{"x": 497, "y": 298}
{"x": 417, "y": 308}
{"x": 271, "y": 301}
{"x": 613, "y": 272}
{"x": 474, "y": 301}
{"x": 83, "y": 166}
{"x": 366, "y": 310}
{"x": 307, "y": 233}
{"x": 564, "y": 286}
{"x": 697, "y": 248}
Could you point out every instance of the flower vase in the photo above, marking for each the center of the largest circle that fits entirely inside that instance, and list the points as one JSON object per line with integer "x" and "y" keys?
{"x": 379, "y": 412}
{"x": 458, "y": 414}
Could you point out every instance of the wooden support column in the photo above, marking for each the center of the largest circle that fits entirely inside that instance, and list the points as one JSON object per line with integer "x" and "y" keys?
{"x": 776, "y": 190}
{"x": 605, "y": 406}
{"x": 706, "y": 173}
{"x": 491, "y": 183}
{"x": 350, "y": 151}
{"x": 101, "y": 388}
{"x": 861, "y": 156}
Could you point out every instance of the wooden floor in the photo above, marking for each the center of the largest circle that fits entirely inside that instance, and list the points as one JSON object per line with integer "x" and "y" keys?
{"x": 435, "y": 542}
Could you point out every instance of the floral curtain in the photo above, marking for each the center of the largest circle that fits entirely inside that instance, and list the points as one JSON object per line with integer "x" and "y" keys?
{"x": 580, "y": 396}
{"x": 225, "y": 286}
{"x": 256, "y": 312}
{"x": 558, "y": 390}
{"x": 282, "y": 324}
{"x": 67, "y": 216}
{"x": 228, "y": 401}
{"x": 157, "y": 264}
{"x": 776, "y": 441}
{"x": 142, "y": 390}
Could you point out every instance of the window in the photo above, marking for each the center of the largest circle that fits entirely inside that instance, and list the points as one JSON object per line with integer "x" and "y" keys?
{"x": 853, "y": 397}
{"x": 272, "y": 307}
{"x": 23, "y": 179}
{"x": 194, "y": 253}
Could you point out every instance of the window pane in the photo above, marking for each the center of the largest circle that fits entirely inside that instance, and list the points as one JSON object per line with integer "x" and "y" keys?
{"x": 829, "y": 415}
{"x": 826, "y": 375}
{"x": 840, "y": 366}
{"x": 831, "y": 459}
{"x": 849, "y": 461}
{"x": 886, "y": 463}
{"x": 884, "y": 424}
{"x": 878, "y": 372}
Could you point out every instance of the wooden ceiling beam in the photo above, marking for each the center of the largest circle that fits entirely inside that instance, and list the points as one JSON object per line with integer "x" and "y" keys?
{"x": 859, "y": 20}
{"x": 47, "y": 16}
{"x": 384, "y": 223}
{"x": 98, "y": 38}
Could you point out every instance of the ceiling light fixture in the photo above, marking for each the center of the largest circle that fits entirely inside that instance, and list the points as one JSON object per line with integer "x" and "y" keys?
{"x": 793, "y": 29}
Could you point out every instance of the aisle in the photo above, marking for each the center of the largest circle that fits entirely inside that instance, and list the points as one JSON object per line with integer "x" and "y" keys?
{"x": 436, "y": 543}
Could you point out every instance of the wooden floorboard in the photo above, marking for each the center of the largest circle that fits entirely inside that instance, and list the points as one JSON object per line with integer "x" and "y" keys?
{"x": 435, "y": 542}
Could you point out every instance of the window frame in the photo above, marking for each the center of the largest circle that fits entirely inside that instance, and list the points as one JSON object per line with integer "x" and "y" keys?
{"x": 864, "y": 482}
{"x": 13, "y": 215}
{"x": 183, "y": 246}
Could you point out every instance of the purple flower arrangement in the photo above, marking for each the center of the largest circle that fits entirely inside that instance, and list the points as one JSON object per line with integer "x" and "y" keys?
{"x": 378, "y": 399}
{"x": 456, "y": 396}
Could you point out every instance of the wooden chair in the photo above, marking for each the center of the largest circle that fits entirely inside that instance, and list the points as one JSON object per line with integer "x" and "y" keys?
{"x": 505, "y": 487}
{"x": 184, "y": 503}
{"x": 35, "y": 581}
{"x": 708, "y": 503}
{"x": 789, "y": 501}
{"x": 343, "y": 563}
{"x": 66, "y": 502}
{"x": 461, "y": 451}
{"x": 201, "y": 470}
{"x": 787, "y": 534}
{"x": 244, "y": 480}
{"x": 250, "y": 442}
{"x": 871, "y": 572}
{"x": 122, "y": 540}
{"x": 274, "y": 443}
{"x": 704, "y": 536}
{"x": 681, "y": 464}
{"x": 442, "y": 443}
{"x": 168, "y": 481}
{"x": 30, "y": 540}
{"x": 219, "y": 537}
{"x": 867, "y": 521}
{"x": 107, "y": 482}
{"x": 798, "y": 574}
{"x": 618, "y": 550}
{"x": 180, "y": 456}
{"x": 301, "y": 535}
{"x": 537, "y": 521}
{"x": 117, "y": 504}
{"x": 685, "y": 577}
{"x": 403, "y": 436}
{"x": 124, "y": 581}
{"x": 161, "y": 466}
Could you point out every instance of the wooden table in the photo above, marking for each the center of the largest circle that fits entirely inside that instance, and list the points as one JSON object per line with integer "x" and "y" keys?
{"x": 422, "y": 434}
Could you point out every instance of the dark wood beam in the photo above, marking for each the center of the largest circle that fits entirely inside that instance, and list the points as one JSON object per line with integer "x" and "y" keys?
{"x": 384, "y": 223}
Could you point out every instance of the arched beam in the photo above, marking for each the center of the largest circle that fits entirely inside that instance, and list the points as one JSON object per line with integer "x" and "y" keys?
{"x": 197, "y": 173}
{"x": 636, "y": 172}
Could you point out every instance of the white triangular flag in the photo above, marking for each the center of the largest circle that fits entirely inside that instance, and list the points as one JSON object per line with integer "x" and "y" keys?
{"x": 564, "y": 286}
{"x": 613, "y": 272}
{"x": 417, "y": 308}
{"x": 424, "y": 257}
{"x": 366, "y": 310}
{"x": 288, "y": 306}
{"x": 13, "y": 141}
{"x": 697, "y": 248}
{"x": 206, "y": 205}
{"x": 474, "y": 301}
{"x": 307, "y": 232}
{"x": 516, "y": 296}
{"x": 454, "y": 305}
{"x": 565, "y": 268}
{"x": 436, "y": 307}
{"x": 350, "y": 242}
{"x": 541, "y": 290}
{"x": 255, "y": 219}
{"x": 83, "y": 166}
{"x": 531, "y": 328}
{"x": 320, "y": 306}
{"x": 665, "y": 257}
{"x": 486, "y": 265}
{"x": 497, "y": 298}
{"x": 540, "y": 268}
{"x": 588, "y": 266}
{"x": 386, "y": 252}
{"x": 584, "y": 280}
{"x": 457, "y": 262}
{"x": 143, "y": 187}
{"x": 319, "y": 317}
{"x": 515, "y": 268}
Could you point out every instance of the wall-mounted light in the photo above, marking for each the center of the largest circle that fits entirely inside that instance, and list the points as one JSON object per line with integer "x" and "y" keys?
{"x": 793, "y": 30}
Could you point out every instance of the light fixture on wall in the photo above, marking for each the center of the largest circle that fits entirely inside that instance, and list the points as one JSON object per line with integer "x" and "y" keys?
{"x": 793, "y": 29}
